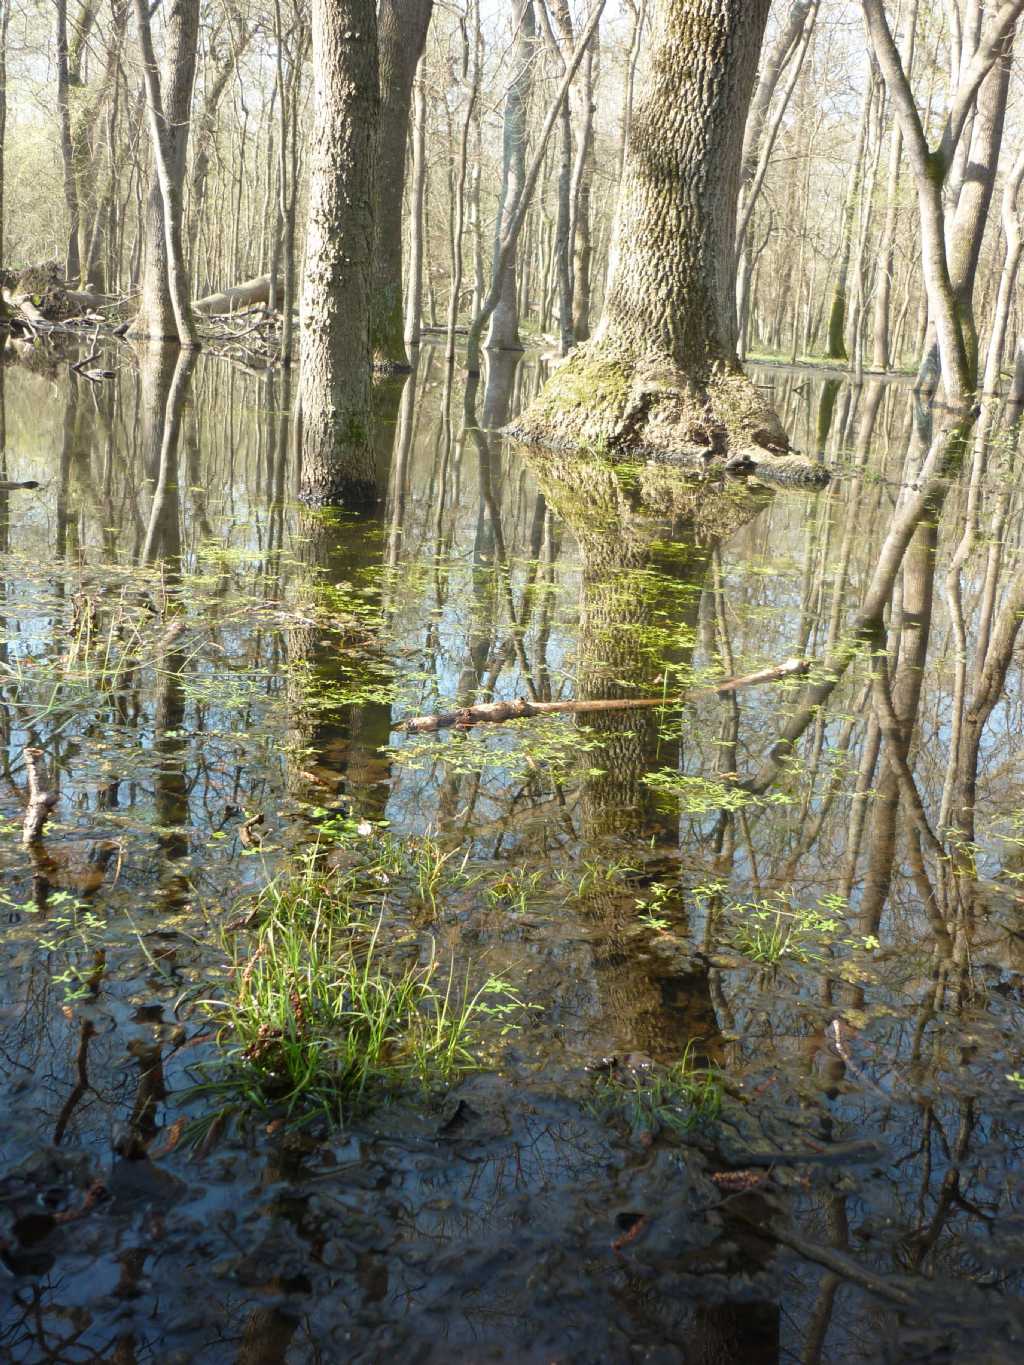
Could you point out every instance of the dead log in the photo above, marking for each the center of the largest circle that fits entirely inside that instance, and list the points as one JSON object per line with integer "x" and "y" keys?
{"x": 497, "y": 711}
{"x": 239, "y": 296}
{"x": 40, "y": 801}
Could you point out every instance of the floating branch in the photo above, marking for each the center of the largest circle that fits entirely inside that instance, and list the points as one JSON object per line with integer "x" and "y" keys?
{"x": 497, "y": 711}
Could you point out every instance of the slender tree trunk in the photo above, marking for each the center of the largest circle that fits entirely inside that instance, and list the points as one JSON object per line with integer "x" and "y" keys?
{"x": 5, "y": 19}
{"x": 402, "y": 35}
{"x": 660, "y": 374}
{"x": 205, "y": 124}
{"x": 471, "y": 62}
{"x": 931, "y": 168}
{"x": 290, "y": 202}
{"x": 975, "y": 198}
{"x": 337, "y": 452}
{"x": 638, "y": 11}
{"x": 91, "y": 184}
{"x": 504, "y": 330}
{"x": 72, "y": 265}
{"x": 563, "y": 222}
{"x": 414, "y": 301}
{"x": 759, "y": 135}
{"x": 836, "y": 349}
{"x": 583, "y": 181}
{"x": 881, "y": 355}
{"x": 164, "y": 313}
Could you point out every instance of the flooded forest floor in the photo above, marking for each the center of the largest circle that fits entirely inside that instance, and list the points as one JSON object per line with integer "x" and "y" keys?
{"x": 683, "y": 1033}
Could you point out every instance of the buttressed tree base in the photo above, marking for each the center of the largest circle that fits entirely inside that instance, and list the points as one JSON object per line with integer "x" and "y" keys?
{"x": 661, "y": 377}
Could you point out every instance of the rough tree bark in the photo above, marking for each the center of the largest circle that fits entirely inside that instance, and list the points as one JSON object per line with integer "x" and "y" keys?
{"x": 402, "y": 26}
{"x": 164, "y": 313}
{"x": 334, "y": 391}
{"x": 660, "y": 376}
{"x": 504, "y": 329}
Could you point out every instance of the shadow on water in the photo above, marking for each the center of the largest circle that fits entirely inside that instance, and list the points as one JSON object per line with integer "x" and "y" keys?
{"x": 765, "y": 1103}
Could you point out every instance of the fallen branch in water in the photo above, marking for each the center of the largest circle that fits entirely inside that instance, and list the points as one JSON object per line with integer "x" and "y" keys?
{"x": 497, "y": 711}
{"x": 40, "y": 801}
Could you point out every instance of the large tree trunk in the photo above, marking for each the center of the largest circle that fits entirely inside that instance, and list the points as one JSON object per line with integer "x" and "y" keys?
{"x": 164, "y": 313}
{"x": 334, "y": 393}
{"x": 504, "y": 330}
{"x": 403, "y": 34}
{"x": 661, "y": 375}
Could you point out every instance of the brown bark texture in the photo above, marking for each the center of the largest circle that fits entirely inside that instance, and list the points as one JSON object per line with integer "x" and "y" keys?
{"x": 334, "y": 391}
{"x": 660, "y": 376}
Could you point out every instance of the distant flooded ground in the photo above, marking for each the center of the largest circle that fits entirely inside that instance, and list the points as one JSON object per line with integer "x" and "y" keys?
{"x": 746, "y": 1079}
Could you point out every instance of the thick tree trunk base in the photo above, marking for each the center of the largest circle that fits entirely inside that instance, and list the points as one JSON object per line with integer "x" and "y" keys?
{"x": 336, "y": 491}
{"x": 647, "y": 408}
{"x": 384, "y": 368}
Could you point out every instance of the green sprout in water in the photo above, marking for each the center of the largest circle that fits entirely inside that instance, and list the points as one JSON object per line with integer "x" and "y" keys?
{"x": 515, "y": 889}
{"x": 322, "y": 1018}
{"x": 652, "y": 1098}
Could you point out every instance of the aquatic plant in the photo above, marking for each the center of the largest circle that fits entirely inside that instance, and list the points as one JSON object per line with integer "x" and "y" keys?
{"x": 772, "y": 928}
{"x": 597, "y": 874}
{"x": 322, "y": 1016}
{"x": 515, "y": 889}
{"x": 650, "y": 1097}
{"x": 653, "y": 906}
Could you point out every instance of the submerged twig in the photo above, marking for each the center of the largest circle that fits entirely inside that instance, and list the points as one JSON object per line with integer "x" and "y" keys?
{"x": 40, "y": 801}
{"x": 497, "y": 711}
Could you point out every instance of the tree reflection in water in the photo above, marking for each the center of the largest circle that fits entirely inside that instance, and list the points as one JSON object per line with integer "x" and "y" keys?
{"x": 857, "y": 1198}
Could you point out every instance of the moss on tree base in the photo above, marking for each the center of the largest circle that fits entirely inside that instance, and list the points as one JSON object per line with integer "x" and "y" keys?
{"x": 647, "y": 408}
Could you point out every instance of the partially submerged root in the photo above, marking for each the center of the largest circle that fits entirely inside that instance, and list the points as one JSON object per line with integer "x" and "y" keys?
{"x": 647, "y": 408}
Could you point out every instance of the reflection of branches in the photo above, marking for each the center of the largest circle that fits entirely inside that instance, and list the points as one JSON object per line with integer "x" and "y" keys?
{"x": 925, "y": 501}
{"x": 72, "y": 1102}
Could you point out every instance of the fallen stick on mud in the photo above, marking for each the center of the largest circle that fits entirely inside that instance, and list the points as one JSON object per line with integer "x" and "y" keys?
{"x": 40, "y": 801}
{"x": 497, "y": 711}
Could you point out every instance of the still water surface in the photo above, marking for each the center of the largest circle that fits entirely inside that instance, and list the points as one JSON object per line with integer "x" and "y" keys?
{"x": 213, "y": 674}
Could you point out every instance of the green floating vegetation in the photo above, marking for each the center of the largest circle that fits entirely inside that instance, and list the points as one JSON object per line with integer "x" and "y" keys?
{"x": 653, "y": 1098}
{"x": 325, "y": 1016}
{"x": 771, "y": 929}
{"x": 698, "y": 795}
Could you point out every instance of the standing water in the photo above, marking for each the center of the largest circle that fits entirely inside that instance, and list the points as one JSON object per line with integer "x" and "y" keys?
{"x": 710, "y": 1042}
